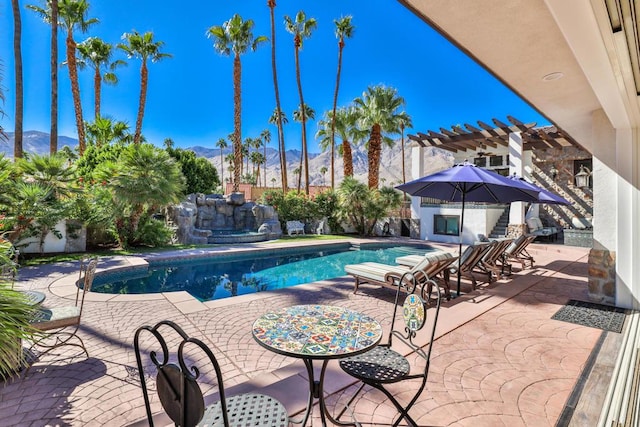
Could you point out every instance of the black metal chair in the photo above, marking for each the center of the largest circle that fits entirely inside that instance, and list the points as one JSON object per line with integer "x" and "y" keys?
{"x": 181, "y": 396}
{"x": 383, "y": 365}
{"x": 58, "y": 326}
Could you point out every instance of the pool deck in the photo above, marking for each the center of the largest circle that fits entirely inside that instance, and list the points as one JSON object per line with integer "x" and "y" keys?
{"x": 499, "y": 359}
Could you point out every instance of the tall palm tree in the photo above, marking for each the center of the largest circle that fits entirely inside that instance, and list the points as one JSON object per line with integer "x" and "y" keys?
{"x": 344, "y": 29}
{"x": 221, "y": 144}
{"x": 344, "y": 125}
{"x": 96, "y": 53}
{"x": 323, "y": 171}
{"x": 257, "y": 159}
{"x": 143, "y": 47}
{"x": 53, "y": 133}
{"x": 235, "y": 37}
{"x": 301, "y": 28}
{"x": 301, "y": 116}
{"x": 17, "y": 58}
{"x": 265, "y": 137}
{"x": 377, "y": 111}
{"x": 403, "y": 124}
{"x": 72, "y": 16}
{"x": 246, "y": 151}
{"x": 278, "y": 111}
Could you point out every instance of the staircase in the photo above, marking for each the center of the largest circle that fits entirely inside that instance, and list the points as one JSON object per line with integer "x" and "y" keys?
{"x": 500, "y": 229}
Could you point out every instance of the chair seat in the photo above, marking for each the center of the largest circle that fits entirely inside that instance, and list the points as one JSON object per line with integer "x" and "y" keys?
{"x": 248, "y": 410}
{"x": 54, "y": 318}
{"x": 381, "y": 364}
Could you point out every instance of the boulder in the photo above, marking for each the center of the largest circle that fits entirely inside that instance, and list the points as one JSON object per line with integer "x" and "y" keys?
{"x": 235, "y": 199}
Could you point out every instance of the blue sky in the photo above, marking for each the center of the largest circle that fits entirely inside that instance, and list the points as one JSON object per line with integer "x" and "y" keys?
{"x": 190, "y": 96}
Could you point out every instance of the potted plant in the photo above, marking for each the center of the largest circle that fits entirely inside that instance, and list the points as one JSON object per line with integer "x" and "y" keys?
{"x": 15, "y": 315}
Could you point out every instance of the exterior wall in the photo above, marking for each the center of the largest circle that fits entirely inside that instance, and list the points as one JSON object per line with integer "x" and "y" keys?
{"x": 477, "y": 219}
{"x": 74, "y": 239}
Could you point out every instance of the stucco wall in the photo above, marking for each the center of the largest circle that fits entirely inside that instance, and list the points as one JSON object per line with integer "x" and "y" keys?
{"x": 477, "y": 219}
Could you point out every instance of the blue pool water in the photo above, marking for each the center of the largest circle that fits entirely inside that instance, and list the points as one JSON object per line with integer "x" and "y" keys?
{"x": 224, "y": 277}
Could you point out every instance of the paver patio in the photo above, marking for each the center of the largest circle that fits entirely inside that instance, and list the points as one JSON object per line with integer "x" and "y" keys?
{"x": 499, "y": 358}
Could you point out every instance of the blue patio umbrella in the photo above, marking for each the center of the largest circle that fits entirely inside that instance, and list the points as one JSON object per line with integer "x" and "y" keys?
{"x": 544, "y": 196}
{"x": 468, "y": 183}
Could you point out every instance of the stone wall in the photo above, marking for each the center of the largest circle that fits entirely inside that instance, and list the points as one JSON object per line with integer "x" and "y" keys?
{"x": 602, "y": 276}
{"x": 516, "y": 230}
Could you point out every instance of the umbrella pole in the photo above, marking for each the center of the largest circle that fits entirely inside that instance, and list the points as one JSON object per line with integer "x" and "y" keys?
{"x": 460, "y": 243}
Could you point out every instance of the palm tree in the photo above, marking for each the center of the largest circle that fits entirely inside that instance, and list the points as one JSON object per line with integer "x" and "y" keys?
{"x": 53, "y": 133}
{"x": 345, "y": 126}
{"x": 296, "y": 171}
{"x": 265, "y": 137}
{"x": 278, "y": 111}
{"x": 105, "y": 130}
{"x": 96, "y": 53}
{"x": 344, "y": 29}
{"x": 377, "y": 111}
{"x": 17, "y": 57}
{"x": 300, "y": 116}
{"x": 404, "y": 123}
{"x": 246, "y": 149}
{"x": 279, "y": 118}
{"x": 323, "y": 171}
{"x": 236, "y": 36}
{"x": 301, "y": 29}
{"x": 72, "y": 16}
{"x": 257, "y": 158}
{"x": 221, "y": 144}
{"x": 143, "y": 47}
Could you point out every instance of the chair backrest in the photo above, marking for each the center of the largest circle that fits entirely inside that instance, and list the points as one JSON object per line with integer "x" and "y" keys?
{"x": 472, "y": 255}
{"x": 516, "y": 245}
{"x": 85, "y": 279}
{"x": 495, "y": 253}
{"x": 415, "y": 316}
{"x": 430, "y": 258}
{"x": 176, "y": 382}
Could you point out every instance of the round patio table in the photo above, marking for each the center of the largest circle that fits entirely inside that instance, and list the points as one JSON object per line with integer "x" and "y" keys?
{"x": 317, "y": 332}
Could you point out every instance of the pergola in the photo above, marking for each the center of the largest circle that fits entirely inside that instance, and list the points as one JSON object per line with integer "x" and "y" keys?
{"x": 485, "y": 136}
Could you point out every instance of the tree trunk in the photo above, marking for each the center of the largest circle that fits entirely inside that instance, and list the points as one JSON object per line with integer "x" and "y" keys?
{"x": 281, "y": 147}
{"x": 237, "y": 123}
{"x": 375, "y": 146}
{"x": 75, "y": 90}
{"x": 347, "y": 158}
{"x": 97, "y": 85}
{"x": 335, "y": 106}
{"x": 17, "y": 53}
{"x": 305, "y": 157}
{"x": 222, "y": 170}
{"x": 53, "y": 137}
{"x": 265, "y": 163}
{"x": 144, "y": 80}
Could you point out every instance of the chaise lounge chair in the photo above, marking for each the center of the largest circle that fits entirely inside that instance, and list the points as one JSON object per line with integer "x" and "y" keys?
{"x": 490, "y": 261}
{"x": 469, "y": 260}
{"x": 517, "y": 251}
{"x": 431, "y": 266}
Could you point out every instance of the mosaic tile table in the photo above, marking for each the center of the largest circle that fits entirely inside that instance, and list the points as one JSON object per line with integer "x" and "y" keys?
{"x": 317, "y": 332}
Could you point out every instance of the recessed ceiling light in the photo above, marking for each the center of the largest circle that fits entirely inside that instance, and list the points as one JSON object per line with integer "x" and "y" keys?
{"x": 553, "y": 76}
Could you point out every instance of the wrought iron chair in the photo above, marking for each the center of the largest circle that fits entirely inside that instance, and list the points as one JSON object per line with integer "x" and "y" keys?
{"x": 383, "y": 365}
{"x": 59, "y": 325}
{"x": 181, "y": 396}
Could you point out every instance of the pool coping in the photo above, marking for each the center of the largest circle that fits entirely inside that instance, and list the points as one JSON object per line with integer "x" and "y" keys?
{"x": 65, "y": 286}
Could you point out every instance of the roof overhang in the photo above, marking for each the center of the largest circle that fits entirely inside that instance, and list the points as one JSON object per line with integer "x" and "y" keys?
{"x": 524, "y": 42}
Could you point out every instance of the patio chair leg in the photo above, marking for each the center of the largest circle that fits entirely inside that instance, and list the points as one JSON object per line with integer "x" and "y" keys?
{"x": 59, "y": 342}
{"x": 351, "y": 399}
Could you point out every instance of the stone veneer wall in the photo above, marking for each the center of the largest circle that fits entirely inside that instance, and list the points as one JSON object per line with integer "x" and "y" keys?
{"x": 516, "y": 230}
{"x": 602, "y": 276}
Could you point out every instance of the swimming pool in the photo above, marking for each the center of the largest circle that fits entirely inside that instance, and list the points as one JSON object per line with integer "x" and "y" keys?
{"x": 218, "y": 277}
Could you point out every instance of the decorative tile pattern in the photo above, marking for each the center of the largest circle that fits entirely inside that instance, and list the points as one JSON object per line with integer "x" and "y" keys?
{"x": 413, "y": 312}
{"x": 321, "y": 331}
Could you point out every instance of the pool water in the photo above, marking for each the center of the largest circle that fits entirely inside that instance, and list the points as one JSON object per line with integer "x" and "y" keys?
{"x": 221, "y": 278}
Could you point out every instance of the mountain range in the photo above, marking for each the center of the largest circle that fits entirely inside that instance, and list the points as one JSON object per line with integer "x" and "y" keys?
{"x": 390, "y": 161}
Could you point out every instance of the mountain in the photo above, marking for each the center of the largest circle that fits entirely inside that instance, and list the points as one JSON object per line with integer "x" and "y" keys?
{"x": 390, "y": 161}
{"x": 34, "y": 141}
